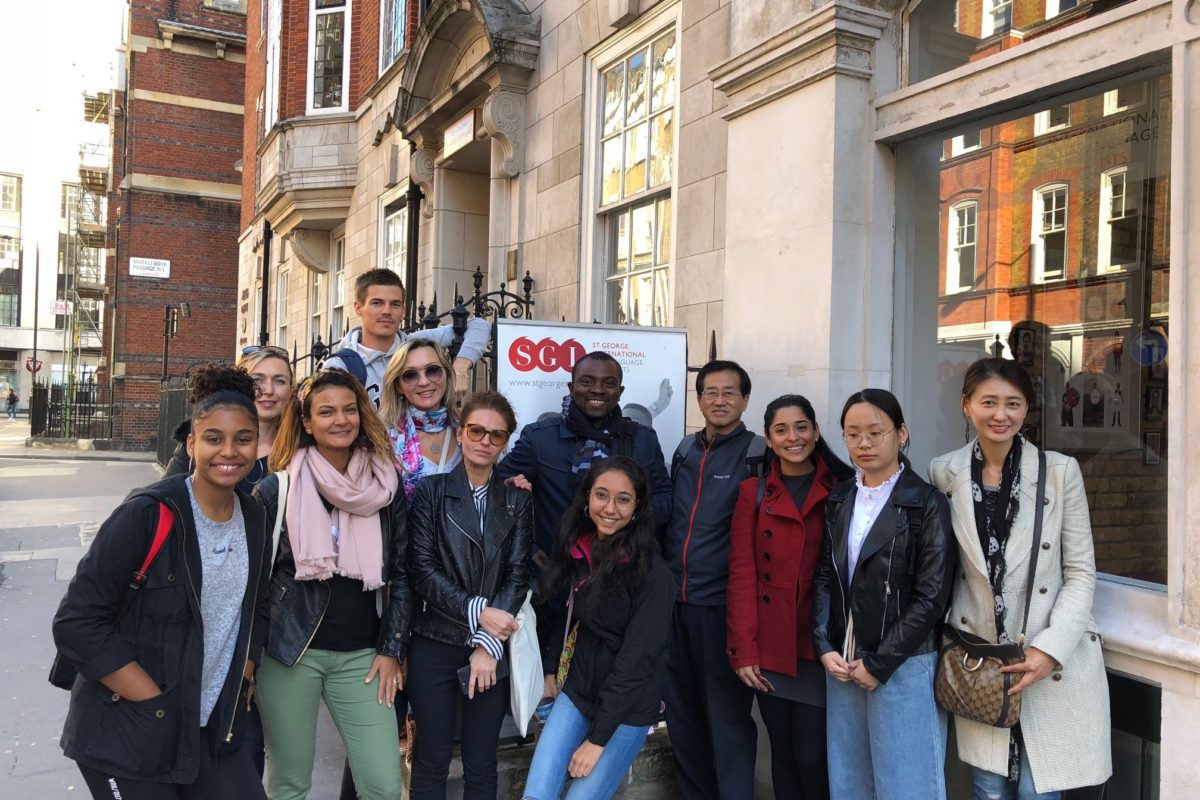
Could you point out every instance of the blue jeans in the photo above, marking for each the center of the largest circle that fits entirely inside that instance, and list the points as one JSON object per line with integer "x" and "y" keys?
{"x": 990, "y": 786}
{"x": 565, "y": 730}
{"x": 889, "y": 744}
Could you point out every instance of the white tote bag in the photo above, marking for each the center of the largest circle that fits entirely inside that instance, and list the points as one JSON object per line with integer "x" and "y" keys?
{"x": 525, "y": 667}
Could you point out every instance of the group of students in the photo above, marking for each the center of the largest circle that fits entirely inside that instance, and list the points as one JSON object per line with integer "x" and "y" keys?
{"x": 363, "y": 543}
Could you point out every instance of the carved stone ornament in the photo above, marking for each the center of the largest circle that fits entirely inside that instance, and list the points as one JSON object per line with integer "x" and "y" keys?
{"x": 311, "y": 247}
{"x": 504, "y": 121}
{"x": 420, "y": 172}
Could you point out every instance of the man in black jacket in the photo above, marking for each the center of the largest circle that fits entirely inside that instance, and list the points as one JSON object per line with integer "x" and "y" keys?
{"x": 713, "y": 736}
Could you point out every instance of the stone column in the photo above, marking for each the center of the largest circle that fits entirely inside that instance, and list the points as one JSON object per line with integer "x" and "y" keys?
{"x": 808, "y": 278}
{"x": 504, "y": 120}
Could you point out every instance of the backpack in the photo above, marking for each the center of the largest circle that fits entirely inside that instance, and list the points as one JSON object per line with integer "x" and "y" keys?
{"x": 757, "y": 458}
{"x": 64, "y": 670}
{"x": 354, "y": 363}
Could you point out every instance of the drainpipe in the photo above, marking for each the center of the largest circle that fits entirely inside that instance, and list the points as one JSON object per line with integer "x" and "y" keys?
{"x": 263, "y": 337}
{"x": 413, "y": 204}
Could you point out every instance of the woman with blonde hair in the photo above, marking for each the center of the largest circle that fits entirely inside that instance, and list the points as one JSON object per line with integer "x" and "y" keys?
{"x": 417, "y": 406}
{"x": 340, "y": 598}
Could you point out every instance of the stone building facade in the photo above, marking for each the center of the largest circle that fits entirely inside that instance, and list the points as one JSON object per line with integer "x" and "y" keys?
{"x": 791, "y": 178}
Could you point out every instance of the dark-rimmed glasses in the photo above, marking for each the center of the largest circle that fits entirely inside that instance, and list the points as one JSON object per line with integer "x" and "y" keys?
{"x": 476, "y": 433}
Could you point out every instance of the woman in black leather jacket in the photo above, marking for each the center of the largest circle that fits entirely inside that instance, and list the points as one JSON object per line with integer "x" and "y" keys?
{"x": 340, "y": 598}
{"x": 469, "y": 562}
{"x": 880, "y": 593}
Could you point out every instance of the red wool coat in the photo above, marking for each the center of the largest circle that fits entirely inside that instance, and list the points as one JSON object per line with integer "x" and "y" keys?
{"x": 772, "y": 561}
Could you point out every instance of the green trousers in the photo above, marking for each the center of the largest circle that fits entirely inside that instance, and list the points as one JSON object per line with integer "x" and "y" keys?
{"x": 288, "y": 700}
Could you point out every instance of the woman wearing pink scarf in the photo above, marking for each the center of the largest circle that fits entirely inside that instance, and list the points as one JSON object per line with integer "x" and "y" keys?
{"x": 340, "y": 598}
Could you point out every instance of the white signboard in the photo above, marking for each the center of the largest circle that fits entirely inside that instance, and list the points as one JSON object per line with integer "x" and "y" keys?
{"x": 535, "y": 361}
{"x": 150, "y": 267}
{"x": 62, "y": 307}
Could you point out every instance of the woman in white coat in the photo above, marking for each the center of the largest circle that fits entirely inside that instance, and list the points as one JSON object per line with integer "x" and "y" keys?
{"x": 1062, "y": 739}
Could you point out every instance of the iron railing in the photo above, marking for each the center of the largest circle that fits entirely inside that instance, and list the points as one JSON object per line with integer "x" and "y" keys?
{"x": 74, "y": 410}
{"x": 173, "y": 408}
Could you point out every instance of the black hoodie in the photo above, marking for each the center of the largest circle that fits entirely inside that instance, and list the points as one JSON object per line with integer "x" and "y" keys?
{"x": 157, "y": 739}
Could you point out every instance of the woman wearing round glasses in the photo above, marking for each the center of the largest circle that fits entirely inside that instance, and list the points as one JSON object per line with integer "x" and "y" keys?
{"x": 880, "y": 592}
{"x": 469, "y": 562}
{"x": 416, "y": 407}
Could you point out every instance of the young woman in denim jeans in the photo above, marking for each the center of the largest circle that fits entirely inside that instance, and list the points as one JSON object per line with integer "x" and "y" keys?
{"x": 621, "y": 596}
{"x": 880, "y": 593}
{"x": 1062, "y": 740}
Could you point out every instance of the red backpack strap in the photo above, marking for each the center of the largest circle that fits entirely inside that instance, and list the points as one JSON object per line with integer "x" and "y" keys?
{"x": 166, "y": 520}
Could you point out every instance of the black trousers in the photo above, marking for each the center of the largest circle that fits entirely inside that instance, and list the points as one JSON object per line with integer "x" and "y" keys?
{"x": 713, "y": 736}
{"x": 434, "y": 693}
{"x": 232, "y": 777}
{"x": 797, "y": 734}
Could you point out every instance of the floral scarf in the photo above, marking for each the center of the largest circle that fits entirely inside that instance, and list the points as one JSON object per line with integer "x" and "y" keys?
{"x": 407, "y": 446}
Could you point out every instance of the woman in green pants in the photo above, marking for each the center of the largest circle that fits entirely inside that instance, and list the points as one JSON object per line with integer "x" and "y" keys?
{"x": 340, "y": 598}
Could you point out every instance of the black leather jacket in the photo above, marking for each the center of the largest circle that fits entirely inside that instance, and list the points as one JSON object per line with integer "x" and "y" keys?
{"x": 902, "y": 583}
{"x": 451, "y": 560}
{"x": 297, "y": 607}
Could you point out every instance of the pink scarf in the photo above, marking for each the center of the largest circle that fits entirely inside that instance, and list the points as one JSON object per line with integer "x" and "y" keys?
{"x": 349, "y": 541}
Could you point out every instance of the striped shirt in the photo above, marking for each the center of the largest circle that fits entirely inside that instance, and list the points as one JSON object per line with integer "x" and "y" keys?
{"x": 476, "y": 605}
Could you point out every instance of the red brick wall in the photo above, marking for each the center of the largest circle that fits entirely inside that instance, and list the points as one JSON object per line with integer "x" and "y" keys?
{"x": 254, "y": 89}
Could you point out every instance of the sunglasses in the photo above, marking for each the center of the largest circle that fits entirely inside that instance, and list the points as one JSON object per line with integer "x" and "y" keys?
{"x": 267, "y": 348}
{"x": 432, "y": 373}
{"x": 476, "y": 433}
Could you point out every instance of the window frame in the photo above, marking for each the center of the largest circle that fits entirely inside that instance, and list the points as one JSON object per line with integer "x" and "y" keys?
{"x": 1054, "y": 8}
{"x": 281, "y": 307}
{"x": 337, "y": 299}
{"x": 958, "y": 144}
{"x": 1112, "y": 103}
{"x": 1042, "y": 122}
{"x": 274, "y": 32}
{"x": 595, "y": 238}
{"x": 1037, "y": 232}
{"x": 988, "y": 18}
{"x": 401, "y": 6}
{"x": 953, "y": 265}
{"x": 316, "y": 304}
{"x": 310, "y": 66}
{"x": 1131, "y": 177}
{"x": 5, "y": 179}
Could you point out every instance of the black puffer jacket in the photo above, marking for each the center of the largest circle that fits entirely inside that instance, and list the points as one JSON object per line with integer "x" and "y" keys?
{"x": 157, "y": 739}
{"x": 451, "y": 560}
{"x": 297, "y": 607}
{"x": 902, "y": 583}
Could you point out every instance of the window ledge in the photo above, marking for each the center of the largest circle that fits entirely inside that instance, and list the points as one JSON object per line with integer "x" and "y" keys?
{"x": 1134, "y": 622}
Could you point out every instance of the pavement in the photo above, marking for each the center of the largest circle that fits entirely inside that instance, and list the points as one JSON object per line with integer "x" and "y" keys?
{"x": 14, "y": 441}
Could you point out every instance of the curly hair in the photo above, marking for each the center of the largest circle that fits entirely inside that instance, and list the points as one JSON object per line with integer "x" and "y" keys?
{"x": 372, "y": 435}
{"x": 215, "y": 385}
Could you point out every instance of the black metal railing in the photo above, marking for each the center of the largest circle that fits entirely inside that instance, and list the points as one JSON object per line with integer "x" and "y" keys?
{"x": 74, "y": 410}
{"x": 173, "y": 408}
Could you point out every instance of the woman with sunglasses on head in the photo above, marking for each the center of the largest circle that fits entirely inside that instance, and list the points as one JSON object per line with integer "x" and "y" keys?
{"x": 166, "y": 644}
{"x": 775, "y": 545}
{"x": 271, "y": 369}
{"x": 1062, "y": 739}
{"x": 621, "y": 598}
{"x": 880, "y": 595}
{"x": 469, "y": 564}
{"x": 340, "y": 598}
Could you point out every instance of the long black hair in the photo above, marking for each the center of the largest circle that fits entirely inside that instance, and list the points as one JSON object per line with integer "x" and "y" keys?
{"x": 838, "y": 468}
{"x": 886, "y": 402}
{"x": 624, "y": 559}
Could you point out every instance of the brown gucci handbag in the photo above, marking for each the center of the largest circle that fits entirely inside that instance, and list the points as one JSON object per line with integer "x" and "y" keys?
{"x": 969, "y": 682}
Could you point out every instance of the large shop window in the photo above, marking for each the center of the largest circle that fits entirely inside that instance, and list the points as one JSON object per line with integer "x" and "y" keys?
{"x": 329, "y": 55}
{"x": 1054, "y": 251}
{"x": 944, "y": 34}
{"x": 637, "y": 155}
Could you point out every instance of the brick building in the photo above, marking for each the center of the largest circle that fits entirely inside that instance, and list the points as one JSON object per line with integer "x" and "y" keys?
{"x": 839, "y": 193}
{"x": 175, "y": 201}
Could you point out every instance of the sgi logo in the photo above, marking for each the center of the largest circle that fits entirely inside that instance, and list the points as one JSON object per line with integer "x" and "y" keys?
{"x": 546, "y": 355}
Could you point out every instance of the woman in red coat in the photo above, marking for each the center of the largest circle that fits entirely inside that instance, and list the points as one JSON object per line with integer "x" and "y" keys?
{"x": 775, "y": 546}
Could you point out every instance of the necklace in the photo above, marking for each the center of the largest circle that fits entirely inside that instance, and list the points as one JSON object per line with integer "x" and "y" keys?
{"x": 435, "y": 447}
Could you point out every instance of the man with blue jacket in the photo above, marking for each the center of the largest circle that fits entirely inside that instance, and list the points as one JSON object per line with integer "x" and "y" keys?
{"x": 555, "y": 454}
{"x": 713, "y": 736}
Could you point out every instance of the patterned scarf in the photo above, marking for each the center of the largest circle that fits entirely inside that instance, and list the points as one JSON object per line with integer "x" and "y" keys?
{"x": 596, "y": 442}
{"x": 407, "y": 446}
{"x": 993, "y": 523}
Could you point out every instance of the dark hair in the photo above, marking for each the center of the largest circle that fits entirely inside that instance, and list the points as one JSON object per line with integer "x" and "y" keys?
{"x": 886, "y": 402}
{"x": 375, "y": 277}
{"x": 840, "y": 469}
{"x": 598, "y": 355}
{"x": 372, "y": 434}
{"x": 1008, "y": 371}
{"x": 216, "y": 385}
{"x": 621, "y": 560}
{"x": 717, "y": 365}
{"x": 489, "y": 401}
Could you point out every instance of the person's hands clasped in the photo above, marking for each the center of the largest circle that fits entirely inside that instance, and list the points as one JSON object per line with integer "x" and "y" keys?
{"x": 753, "y": 677}
{"x": 862, "y": 676}
{"x": 1036, "y": 666}
{"x": 584, "y": 760}
{"x": 498, "y": 623}
{"x": 387, "y": 668}
{"x": 836, "y": 666}
{"x": 483, "y": 672}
